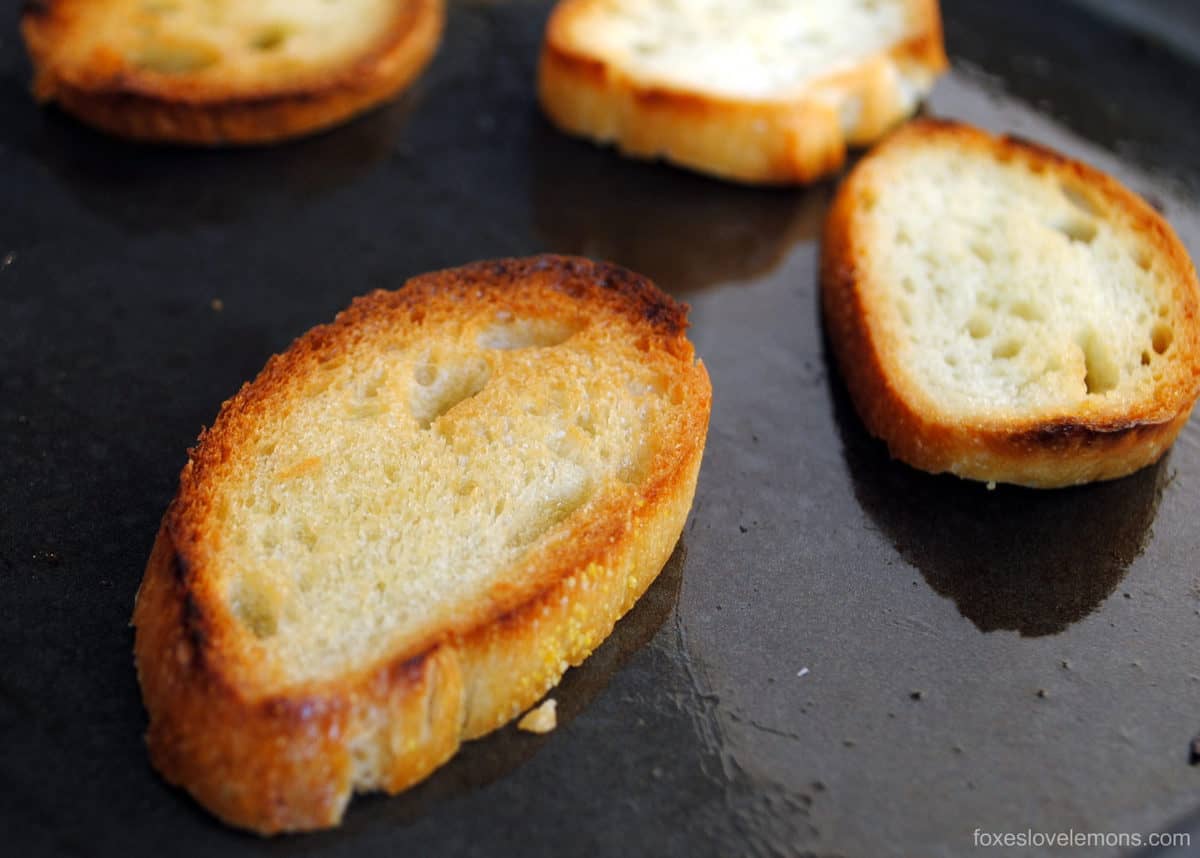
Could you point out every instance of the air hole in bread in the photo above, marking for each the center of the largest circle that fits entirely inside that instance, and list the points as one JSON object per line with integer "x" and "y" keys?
{"x": 320, "y": 382}
{"x": 1076, "y": 228}
{"x": 509, "y": 333}
{"x": 1161, "y": 337}
{"x": 979, "y": 327}
{"x": 1145, "y": 358}
{"x": 1143, "y": 259}
{"x": 254, "y": 605}
{"x": 1006, "y": 349}
{"x": 370, "y": 389}
{"x": 867, "y": 199}
{"x": 1081, "y": 200}
{"x": 177, "y": 57}
{"x": 299, "y": 468}
{"x": 270, "y": 38}
{"x": 440, "y": 387}
{"x": 570, "y": 493}
{"x": 426, "y": 373}
{"x": 908, "y": 286}
{"x": 982, "y": 252}
{"x": 306, "y": 536}
{"x": 1101, "y": 373}
{"x": 1028, "y": 311}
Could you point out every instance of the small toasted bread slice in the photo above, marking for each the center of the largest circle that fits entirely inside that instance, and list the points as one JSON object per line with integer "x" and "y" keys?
{"x": 1006, "y": 314}
{"x": 403, "y": 532}
{"x": 222, "y": 71}
{"x": 763, "y": 92}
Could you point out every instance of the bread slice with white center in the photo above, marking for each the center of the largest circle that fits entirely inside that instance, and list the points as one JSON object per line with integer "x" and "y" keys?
{"x": 763, "y": 92}
{"x": 403, "y": 532}
{"x": 1006, "y": 314}
{"x": 223, "y": 71}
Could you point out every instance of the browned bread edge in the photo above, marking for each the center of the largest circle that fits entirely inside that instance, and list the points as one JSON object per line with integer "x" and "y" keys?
{"x": 136, "y": 107}
{"x": 285, "y": 761}
{"x": 1039, "y": 453}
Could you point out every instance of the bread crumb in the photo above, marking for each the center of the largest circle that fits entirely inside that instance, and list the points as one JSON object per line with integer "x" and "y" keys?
{"x": 9, "y": 258}
{"x": 217, "y": 304}
{"x": 991, "y": 486}
{"x": 540, "y": 719}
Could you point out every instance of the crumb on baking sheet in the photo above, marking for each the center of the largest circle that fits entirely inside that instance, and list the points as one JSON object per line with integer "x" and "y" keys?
{"x": 540, "y": 719}
{"x": 217, "y": 304}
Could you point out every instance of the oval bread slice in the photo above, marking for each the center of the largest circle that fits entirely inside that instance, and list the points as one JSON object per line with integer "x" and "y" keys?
{"x": 223, "y": 71}
{"x": 1006, "y": 314}
{"x": 403, "y": 532}
{"x": 762, "y": 92}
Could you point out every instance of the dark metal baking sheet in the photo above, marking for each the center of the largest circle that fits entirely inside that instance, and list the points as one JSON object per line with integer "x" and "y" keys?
{"x": 1000, "y": 660}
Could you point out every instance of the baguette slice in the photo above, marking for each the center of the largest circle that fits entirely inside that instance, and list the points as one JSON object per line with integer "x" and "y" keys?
{"x": 762, "y": 92}
{"x": 1006, "y": 314}
{"x": 221, "y": 71}
{"x": 403, "y": 532}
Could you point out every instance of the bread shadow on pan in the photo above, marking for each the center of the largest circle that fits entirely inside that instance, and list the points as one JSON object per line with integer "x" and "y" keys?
{"x": 684, "y": 231}
{"x": 490, "y": 758}
{"x": 146, "y": 188}
{"x": 1014, "y": 559}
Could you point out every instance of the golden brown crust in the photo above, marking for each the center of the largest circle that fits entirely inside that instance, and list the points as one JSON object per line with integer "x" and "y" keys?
{"x": 755, "y": 142}
{"x": 119, "y": 98}
{"x": 283, "y": 761}
{"x": 1066, "y": 449}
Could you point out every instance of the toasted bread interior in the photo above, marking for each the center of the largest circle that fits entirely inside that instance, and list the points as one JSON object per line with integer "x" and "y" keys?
{"x": 221, "y": 45}
{"x": 756, "y": 50}
{"x": 407, "y": 484}
{"x": 1009, "y": 286}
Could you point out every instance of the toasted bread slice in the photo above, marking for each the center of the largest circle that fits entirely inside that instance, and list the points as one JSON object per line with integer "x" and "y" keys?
{"x": 1006, "y": 314}
{"x": 762, "y": 92}
{"x": 221, "y": 71}
{"x": 403, "y": 532}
